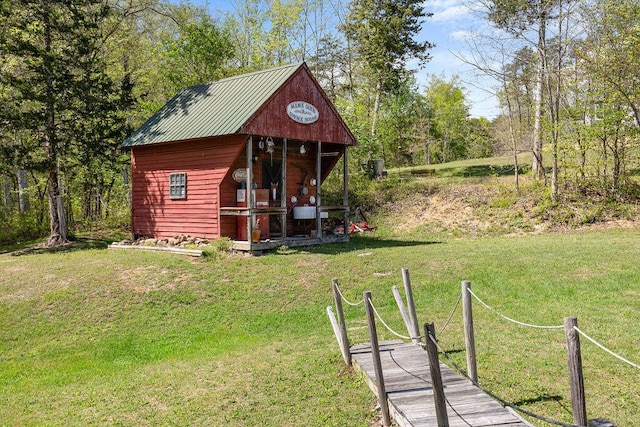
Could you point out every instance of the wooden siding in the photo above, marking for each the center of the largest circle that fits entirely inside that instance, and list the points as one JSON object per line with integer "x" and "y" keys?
{"x": 206, "y": 163}
{"x": 272, "y": 118}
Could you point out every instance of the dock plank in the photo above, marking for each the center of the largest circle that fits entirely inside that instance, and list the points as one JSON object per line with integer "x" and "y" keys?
{"x": 407, "y": 379}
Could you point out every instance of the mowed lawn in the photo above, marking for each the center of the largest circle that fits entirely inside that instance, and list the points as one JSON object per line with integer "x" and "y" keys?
{"x": 91, "y": 336}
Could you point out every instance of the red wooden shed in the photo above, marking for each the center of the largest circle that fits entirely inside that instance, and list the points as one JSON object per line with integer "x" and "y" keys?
{"x": 273, "y": 132}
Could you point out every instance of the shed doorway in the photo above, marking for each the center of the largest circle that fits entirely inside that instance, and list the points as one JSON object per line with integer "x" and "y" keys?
{"x": 272, "y": 181}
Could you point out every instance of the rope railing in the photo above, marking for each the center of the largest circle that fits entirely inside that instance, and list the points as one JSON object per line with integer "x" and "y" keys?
{"x": 404, "y": 337}
{"x": 602, "y": 347}
{"x": 596, "y": 343}
{"x": 353, "y": 304}
{"x": 455, "y": 307}
{"x": 570, "y": 325}
{"x": 496, "y": 397}
{"x": 510, "y": 319}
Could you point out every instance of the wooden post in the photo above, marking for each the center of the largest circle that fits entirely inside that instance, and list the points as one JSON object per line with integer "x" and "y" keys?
{"x": 377, "y": 364}
{"x": 574, "y": 358}
{"x": 283, "y": 191}
{"x": 403, "y": 310}
{"x": 318, "y": 190}
{"x": 469, "y": 339}
{"x": 336, "y": 329}
{"x": 249, "y": 186}
{"x": 411, "y": 306}
{"x": 346, "y": 353}
{"x": 436, "y": 376}
{"x": 345, "y": 191}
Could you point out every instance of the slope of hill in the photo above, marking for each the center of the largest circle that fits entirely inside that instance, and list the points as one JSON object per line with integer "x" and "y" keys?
{"x": 479, "y": 197}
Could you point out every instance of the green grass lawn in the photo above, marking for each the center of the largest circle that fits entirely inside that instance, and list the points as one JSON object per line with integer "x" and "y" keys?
{"x": 90, "y": 336}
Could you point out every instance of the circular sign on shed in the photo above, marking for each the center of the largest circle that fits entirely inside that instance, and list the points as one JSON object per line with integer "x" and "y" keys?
{"x": 302, "y": 112}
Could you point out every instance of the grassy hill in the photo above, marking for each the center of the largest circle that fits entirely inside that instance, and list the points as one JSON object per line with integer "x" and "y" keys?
{"x": 91, "y": 336}
{"x": 479, "y": 197}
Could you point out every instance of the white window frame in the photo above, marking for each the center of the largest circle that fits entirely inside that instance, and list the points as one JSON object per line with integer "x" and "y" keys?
{"x": 178, "y": 185}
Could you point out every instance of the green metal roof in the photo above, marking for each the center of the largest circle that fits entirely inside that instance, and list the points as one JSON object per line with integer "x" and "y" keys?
{"x": 211, "y": 109}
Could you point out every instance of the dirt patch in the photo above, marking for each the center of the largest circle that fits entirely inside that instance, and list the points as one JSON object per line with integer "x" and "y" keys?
{"x": 493, "y": 207}
{"x": 445, "y": 211}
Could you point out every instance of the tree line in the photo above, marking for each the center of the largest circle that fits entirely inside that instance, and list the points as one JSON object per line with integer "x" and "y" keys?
{"x": 77, "y": 76}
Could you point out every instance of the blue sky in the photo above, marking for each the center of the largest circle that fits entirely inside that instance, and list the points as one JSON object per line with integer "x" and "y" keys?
{"x": 448, "y": 28}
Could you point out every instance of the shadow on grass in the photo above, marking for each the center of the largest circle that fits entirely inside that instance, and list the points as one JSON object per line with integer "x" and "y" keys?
{"x": 78, "y": 244}
{"x": 482, "y": 170}
{"x": 361, "y": 242}
{"x": 539, "y": 399}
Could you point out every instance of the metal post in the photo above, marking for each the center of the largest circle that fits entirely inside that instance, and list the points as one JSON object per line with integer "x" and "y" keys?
{"x": 469, "y": 339}
{"x": 436, "y": 376}
{"x": 415, "y": 333}
{"x": 574, "y": 358}
{"x": 377, "y": 363}
{"x": 346, "y": 353}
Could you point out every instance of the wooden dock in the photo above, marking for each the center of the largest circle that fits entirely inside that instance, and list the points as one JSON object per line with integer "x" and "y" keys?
{"x": 410, "y": 394}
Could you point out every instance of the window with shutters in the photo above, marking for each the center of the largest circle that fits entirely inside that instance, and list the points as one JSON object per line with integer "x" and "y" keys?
{"x": 178, "y": 185}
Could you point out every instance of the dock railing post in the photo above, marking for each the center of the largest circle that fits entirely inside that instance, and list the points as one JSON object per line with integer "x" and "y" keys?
{"x": 377, "y": 363}
{"x": 436, "y": 376}
{"x": 411, "y": 306}
{"x": 345, "y": 347}
{"x": 574, "y": 358}
{"x": 403, "y": 309}
{"x": 469, "y": 339}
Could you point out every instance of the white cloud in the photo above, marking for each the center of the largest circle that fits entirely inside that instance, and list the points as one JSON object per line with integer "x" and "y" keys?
{"x": 453, "y": 13}
{"x": 441, "y": 4}
{"x": 462, "y": 35}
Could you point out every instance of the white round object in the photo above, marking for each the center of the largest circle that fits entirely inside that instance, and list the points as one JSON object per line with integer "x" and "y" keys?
{"x": 294, "y": 199}
{"x": 312, "y": 200}
{"x": 239, "y": 175}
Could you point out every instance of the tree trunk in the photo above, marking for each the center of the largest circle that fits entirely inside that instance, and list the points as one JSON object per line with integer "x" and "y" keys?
{"x": 6, "y": 187}
{"x": 376, "y": 112}
{"x": 514, "y": 145}
{"x": 58, "y": 230}
{"x": 23, "y": 187}
{"x": 58, "y": 233}
{"x": 537, "y": 167}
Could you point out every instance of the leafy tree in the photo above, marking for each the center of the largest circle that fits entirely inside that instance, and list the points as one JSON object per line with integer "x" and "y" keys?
{"x": 480, "y": 140}
{"x": 521, "y": 17}
{"x": 285, "y": 18}
{"x": 401, "y": 111}
{"x": 450, "y": 113}
{"x": 384, "y": 34}
{"x": 58, "y": 85}
{"x": 198, "y": 52}
{"x": 330, "y": 66}
{"x": 266, "y": 33}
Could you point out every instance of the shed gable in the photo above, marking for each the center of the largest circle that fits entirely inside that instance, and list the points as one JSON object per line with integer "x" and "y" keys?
{"x": 301, "y": 86}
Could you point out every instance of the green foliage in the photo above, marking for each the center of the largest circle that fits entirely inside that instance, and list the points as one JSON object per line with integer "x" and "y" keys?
{"x": 450, "y": 114}
{"x": 267, "y": 34}
{"x": 219, "y": 248}
{"x": 197, "y": 54}
{"x": 385, "y": 35}
{"x": 66, "y": 110}
{"x": 18, "y": 228}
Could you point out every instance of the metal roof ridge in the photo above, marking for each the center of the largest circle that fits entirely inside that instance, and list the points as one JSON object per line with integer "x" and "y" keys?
{"x": 244, "y": 75}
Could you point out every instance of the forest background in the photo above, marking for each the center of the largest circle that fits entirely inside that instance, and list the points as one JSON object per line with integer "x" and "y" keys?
{"x": 77, "y": 77}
